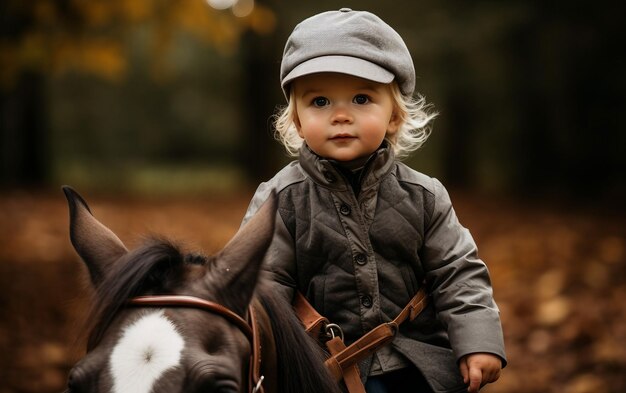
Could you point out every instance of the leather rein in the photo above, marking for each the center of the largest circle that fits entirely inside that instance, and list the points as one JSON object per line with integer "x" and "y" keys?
{"x": 248, "y": 328}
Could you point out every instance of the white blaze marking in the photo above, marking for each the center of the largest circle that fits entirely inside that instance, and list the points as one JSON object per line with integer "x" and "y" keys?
{"x": 147, "y": 349}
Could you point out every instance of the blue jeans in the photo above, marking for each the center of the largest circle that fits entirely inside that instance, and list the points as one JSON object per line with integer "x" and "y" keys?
{"x": 408, "y": 380}
{"x": 375, "y": 385}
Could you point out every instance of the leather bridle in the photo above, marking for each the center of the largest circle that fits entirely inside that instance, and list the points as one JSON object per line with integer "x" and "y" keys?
{"x": 248, "y": 328}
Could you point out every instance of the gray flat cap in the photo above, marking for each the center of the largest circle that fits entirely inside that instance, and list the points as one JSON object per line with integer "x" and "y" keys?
{"x": 357, "y": 43}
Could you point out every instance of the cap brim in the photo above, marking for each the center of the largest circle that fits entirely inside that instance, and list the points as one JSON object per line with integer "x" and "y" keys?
{"x": 340, "y": 64}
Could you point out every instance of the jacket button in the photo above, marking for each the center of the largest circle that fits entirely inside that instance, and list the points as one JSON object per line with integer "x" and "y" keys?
{"x": 366, "y": 301}
{"x": 345, "y": 209}
{"x": 361, "y": 259}
{"x": 329, "y": 177}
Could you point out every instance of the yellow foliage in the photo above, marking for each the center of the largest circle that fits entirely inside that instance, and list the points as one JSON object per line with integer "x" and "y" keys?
{"x": 103, "y": 57}
{"x": 135, "y": 11}
{"x": 91, "y": 35}
{"x": 213, "y": 27}
{"x": 262, "y": 20}
{"x": 95, "y": 13}
{"x": 32, "y": 51}
{"x": 45, "y": 12}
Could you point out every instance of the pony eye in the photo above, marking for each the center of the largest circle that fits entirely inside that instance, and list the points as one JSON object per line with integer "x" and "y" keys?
{"x": 227, "y": 389}
{"x": 216, "y": 385}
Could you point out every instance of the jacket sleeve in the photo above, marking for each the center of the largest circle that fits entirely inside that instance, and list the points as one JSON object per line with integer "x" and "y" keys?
{"x": 459, "y": 282}
{"x": 279, "y": 261}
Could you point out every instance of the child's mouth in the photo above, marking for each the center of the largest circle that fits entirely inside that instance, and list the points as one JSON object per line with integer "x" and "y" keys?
{"x": 342, "y": 137}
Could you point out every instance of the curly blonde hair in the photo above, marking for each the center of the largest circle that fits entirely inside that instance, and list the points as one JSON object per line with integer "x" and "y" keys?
{"x": 413, "y": 132}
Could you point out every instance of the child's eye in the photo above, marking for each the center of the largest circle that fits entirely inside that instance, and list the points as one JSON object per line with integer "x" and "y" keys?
{"x": 361, "y": 99}
{"x": 320, "y": 101}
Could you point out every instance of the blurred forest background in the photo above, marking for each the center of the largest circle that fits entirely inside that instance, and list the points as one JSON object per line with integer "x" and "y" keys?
{"x": 159, "y": 113}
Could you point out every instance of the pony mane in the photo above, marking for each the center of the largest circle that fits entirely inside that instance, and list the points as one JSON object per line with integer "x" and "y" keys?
{"x": 148, "y": 267}
{"x": 154, "y": 266}
{"x": 301, "y": 370}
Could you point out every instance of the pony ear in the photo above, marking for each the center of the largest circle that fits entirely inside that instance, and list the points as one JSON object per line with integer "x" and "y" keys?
{"x": 97, "y": 246}
{"x": 236, "y": 268}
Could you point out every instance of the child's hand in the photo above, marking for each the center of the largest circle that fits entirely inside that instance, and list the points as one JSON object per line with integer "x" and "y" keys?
{"x": 479, "y": 369}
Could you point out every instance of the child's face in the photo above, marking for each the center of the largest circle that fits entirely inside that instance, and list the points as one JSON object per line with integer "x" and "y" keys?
{"x": 342, "y": 117}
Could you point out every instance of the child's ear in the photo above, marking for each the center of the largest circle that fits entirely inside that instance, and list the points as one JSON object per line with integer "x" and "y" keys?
{"x": 296, "y": 122}
{"x": 394, "y": 122}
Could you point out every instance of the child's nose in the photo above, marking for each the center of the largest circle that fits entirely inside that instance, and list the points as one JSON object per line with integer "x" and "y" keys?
{"x": 341, "y": 114}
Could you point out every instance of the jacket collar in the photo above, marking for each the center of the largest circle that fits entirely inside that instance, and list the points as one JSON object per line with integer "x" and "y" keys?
{"x": 324, "y": 171}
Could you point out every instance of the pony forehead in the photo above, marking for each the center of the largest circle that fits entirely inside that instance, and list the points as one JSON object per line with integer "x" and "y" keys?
{"x": 147, "y": 349}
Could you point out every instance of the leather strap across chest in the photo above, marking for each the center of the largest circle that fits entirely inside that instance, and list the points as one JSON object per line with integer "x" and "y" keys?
{"x": 343, "y": 359}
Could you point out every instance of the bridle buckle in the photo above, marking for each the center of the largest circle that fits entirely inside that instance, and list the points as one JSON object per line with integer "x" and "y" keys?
{"x": 257, "y": 388}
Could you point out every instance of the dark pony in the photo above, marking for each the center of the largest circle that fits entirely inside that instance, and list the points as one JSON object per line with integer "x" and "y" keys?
{"x": 216, "y": 355}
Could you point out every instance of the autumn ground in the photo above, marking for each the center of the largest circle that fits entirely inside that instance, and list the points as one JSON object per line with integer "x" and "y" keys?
{"x": 559, "y": 275}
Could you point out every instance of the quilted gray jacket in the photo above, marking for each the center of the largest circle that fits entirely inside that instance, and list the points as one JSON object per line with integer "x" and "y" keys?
{"x": 360, "y": 258}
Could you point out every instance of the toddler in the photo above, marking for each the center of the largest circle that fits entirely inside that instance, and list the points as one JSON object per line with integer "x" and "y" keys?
{"x": 358, "y": 233}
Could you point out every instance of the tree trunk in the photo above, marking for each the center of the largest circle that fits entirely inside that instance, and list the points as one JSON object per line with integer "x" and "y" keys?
{"x": 23, "y": 136}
